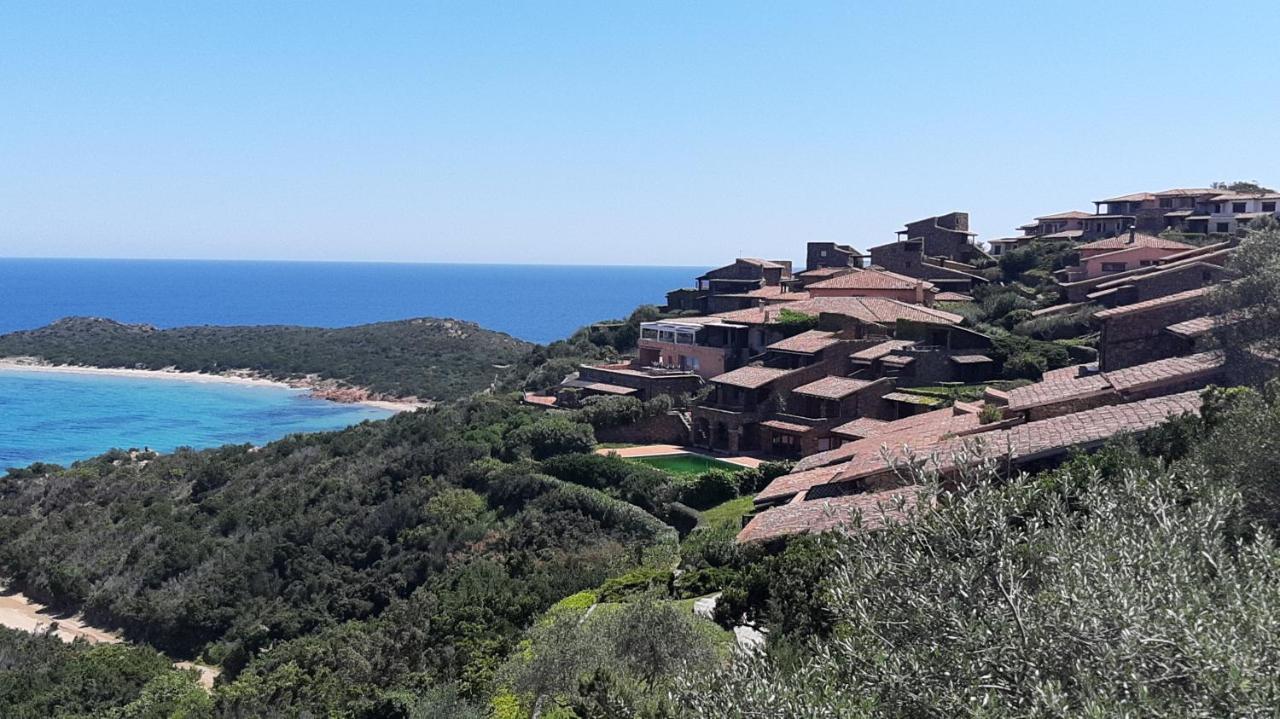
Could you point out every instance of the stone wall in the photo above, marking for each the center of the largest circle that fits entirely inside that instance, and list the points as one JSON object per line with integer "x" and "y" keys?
{"x": 667, "y": 428}
{"x": 1139, "y": 337}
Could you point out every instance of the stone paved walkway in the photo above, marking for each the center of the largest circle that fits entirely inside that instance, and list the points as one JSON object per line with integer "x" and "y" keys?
{"x": 660, "y": 450}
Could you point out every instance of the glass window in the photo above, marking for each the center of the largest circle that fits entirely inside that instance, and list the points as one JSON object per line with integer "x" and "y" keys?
{"x": 1113, "y": 266}
{"x": 1237, "y": 207}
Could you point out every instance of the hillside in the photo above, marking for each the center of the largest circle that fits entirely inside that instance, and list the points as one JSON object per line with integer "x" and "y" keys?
{"x": 328, "y": 570}
{"x": 434, "y": 359}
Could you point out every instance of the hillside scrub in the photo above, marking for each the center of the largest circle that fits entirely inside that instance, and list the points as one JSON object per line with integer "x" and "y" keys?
{"x": 427, "y": 358}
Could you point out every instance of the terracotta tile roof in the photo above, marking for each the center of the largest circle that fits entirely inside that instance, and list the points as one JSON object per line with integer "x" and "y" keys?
{"x": 1022, "y": 443}
{"x": 877, "y": 351}
{"x": 909, "y": 398}
{"x": 871, "y": 280}
{"x": 873, "y": 511}
{"x": 1065, "y": 235}
{"x": 827, "y": 271}
{"x": 971, "y": 359}
{"x": 1046, "y": 437}
{"x": 924, "y": 427}
{"x": 783, "y": 426}
{"x": 770, "y": 292}
{"x": 952, "y": 297}
{"x": 750, "y": 377}
{"x": 792, "y": 484}
{"x": 873, "y": 310}
{"x": 1136, "y": 307}
{"x": 1174, "y": 369}
{"x": 1064, "y": 373}
{"x": 1135, "y": 197}
{"x": 1187, "y": 192}
{"x": 1121, "y": 242}
{"x": 832, "y": 387}
{"x": 1194, "y": 327}
{"x": 604, "y": 387}
{"x": 1068, "y": 215}
{"x": 759, "y": 262}
{"x": 1228, "y": 196}
{"x": 1033, "y": 440}
{"x": 861, "y": 428}
{"x": 809, "y": 342}
{"x": 1042, "y": 393}
{"x": 1122, "y": 382}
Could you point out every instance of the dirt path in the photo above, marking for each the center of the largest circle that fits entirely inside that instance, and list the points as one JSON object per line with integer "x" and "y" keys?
{"x": 17, "y": 611}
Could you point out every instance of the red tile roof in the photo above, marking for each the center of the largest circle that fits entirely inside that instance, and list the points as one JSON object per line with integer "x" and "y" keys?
{"x": 875, "y": 352}
{"x": 873, "y": 310}
{"x": 1042, "y": 393}
{"x": 1120, "y": 383}
{"x": 1068, "y": 215}
{"x": 792, "y": 484}
{"x": 1064, "y": 373}
{"x": 783, "y": 426}
{"x": 1033, "y": 440}
{"x": 810, "y": 342}
{"x": 871, "y": 280}
{"x": 1121, "y": 242}
{"x": 1173, "y": 369}
{"x": 1135, "y": 197}
{"x": 751, "y": 377}
{"x": 833, "y": 387}
{"x": 926, "y": 426}
{"x": 863, "y": 511}
{"x": 861, "y": 428}
{"x": 952, "y": 297}
{"x": 1152, "y": 304}
{"x": 1022, "y": 443}
{"x": 1194, "y": 327}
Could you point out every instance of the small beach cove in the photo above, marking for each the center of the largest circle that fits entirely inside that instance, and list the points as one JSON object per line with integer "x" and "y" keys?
{"x": 17, "y": 611}
{"x": 61, "y": 414}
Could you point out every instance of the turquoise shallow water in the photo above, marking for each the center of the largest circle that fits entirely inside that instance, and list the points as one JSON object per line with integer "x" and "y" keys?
{"x": 57, "y": 417}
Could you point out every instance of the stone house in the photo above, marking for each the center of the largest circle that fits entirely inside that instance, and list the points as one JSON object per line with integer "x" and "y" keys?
{"x": 1139, "y": 333}
{"x": 1132, "y": 250}
{"x": 875, "y": 283}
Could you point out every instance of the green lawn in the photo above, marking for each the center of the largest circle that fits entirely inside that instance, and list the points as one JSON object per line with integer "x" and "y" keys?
{"x": 730, "y": 513}
{"x": 685, "y": 464}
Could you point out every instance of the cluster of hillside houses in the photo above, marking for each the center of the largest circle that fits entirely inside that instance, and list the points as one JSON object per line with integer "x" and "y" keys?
{"x": 849, "y": 360}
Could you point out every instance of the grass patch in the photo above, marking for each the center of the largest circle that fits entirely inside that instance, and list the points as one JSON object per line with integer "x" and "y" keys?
{"x": 685, "y": 464}
{"x": 729, "y": 513}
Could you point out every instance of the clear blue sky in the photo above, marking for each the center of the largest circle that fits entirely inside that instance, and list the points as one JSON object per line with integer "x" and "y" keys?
{"x": 593, "y": 132}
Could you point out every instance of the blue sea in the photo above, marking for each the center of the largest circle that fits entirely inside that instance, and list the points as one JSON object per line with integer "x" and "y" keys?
{"x": 63, "y": 417}
{"x": 538, "y": 303}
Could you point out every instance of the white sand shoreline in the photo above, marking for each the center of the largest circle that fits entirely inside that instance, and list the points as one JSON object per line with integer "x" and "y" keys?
{"x": 29, "y": 364}
{"x": 17, "y": 611}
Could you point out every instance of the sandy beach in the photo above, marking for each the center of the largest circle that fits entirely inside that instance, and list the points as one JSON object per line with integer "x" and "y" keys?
{"x": 30, "y": 364}
{"x": 17, "y": 611}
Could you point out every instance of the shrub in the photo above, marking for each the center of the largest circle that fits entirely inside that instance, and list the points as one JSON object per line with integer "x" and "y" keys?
{"x": 1025, "y": 366}
{"x": 550, "y": 436}
{"x": 709, "y": 489}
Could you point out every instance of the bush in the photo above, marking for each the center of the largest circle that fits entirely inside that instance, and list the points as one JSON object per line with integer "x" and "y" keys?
{"x": 1025, "y": 366}
{"x": 550, "y": 436}
{"x": 709, "y": 489}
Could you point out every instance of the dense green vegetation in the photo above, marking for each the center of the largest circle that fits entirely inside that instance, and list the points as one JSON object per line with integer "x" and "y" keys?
{"x": 426, "y": 358}
{"x": 42, "y": 677}
{"x": 330, "y": 571}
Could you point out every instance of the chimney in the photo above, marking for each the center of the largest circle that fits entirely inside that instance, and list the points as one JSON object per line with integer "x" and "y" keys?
{"x": 1132, "y": 232}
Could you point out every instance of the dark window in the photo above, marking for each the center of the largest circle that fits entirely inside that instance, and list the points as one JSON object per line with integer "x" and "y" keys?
{"x": 1237, "y": 207}
{"x": 1113, "y": 266}
{"x": 1166, "y": 202}
{"x": 1224, "y": 227}
{"x": 1146, "y": 263}
{"x": 1268, "y": 207}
